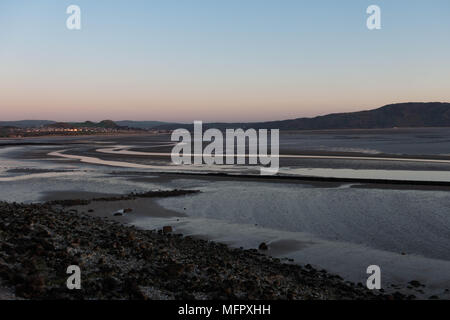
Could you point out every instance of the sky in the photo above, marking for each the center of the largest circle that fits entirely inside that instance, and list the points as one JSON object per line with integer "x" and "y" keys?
{"x": 218, "y": 60}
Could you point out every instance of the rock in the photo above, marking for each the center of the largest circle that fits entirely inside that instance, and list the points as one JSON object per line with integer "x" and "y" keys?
{"x": 415, "y": 283}
{"x": 211, "y": 271}
{"x": 121, "y": 212}
{"x": 110, "y": 283}
{"x": 167, "y": 229}
{"x": 263, "y": 246}
{"x": 175, "y": 269}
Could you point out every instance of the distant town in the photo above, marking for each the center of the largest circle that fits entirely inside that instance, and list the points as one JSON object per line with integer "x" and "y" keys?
{"x": 70, "y": 129}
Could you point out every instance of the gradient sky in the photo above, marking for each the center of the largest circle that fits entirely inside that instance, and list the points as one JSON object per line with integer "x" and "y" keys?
{"x": 218, "y": 60}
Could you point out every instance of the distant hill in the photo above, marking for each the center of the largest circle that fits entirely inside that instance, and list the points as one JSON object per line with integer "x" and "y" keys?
{"x": 102, "y": 124}
{"x": 140, "y": 124}
{"x": 413, "y": 114}
{"x": 6, "y": 131}
{"x": 107, "y": 124}
{"x": 26, "y": 123}
{"x": 433, "y": 114}
{"x": 64, "y": 125}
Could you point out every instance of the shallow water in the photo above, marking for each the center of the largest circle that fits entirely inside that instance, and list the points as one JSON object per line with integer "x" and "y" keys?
{"x": 411, "y": 221}
{"x": 344, "y": 230}
{"x": 402, "y": 175}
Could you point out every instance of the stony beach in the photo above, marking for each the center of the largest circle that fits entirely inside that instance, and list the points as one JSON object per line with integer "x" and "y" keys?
{"x": 39, "y": 241}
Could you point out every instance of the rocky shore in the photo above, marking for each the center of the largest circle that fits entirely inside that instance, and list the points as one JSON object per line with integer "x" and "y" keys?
{"x": 39, "y": 241}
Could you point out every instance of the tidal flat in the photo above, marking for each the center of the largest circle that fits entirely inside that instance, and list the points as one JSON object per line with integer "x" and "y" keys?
{"x": 315, "y": 213}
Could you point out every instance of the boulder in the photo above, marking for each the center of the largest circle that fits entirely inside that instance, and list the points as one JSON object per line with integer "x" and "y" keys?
{"x": 167, "y": 229}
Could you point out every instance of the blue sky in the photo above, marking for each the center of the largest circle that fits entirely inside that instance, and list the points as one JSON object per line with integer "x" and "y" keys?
{"x": 219, "y": 60}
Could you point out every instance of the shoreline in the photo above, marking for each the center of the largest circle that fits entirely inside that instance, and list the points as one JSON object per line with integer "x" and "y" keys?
{"x": 124, "y": 262}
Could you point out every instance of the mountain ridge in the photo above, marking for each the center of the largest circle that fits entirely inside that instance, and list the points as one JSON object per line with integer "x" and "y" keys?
{"x": 409, "y": 114}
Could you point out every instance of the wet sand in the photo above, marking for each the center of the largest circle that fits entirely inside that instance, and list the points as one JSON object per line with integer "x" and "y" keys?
{"x": 140, "y": 208}
{"x": 148, "y": 208}
{"x": 130, "y": 209}
{"x": 73, "y": 194}
{"x": 282, "y": 247}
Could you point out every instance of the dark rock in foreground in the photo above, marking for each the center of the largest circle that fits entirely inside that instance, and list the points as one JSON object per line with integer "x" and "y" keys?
{"x": 39, "y": 242}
